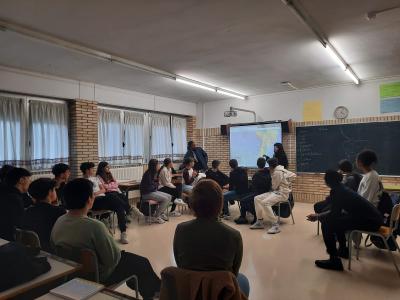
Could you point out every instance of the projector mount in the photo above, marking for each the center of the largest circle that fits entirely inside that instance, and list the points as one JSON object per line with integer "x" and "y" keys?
{"x": 232, "y": 112}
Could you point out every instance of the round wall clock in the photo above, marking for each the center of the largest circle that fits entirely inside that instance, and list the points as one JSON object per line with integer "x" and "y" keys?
{"x": 341, "y": 112}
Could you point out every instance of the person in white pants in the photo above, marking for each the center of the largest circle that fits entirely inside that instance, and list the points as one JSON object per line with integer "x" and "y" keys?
{"x": 281, "y": 188}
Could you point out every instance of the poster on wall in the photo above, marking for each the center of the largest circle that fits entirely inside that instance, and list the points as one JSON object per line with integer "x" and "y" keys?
{"x": 390, "y": 97}
{"x": 312, "y": 110}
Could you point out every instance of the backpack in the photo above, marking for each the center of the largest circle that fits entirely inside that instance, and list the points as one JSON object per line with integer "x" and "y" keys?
{"x": 15, "y": 257}
{"x": 385, "y": 207}
{"x": 285, "y": 211}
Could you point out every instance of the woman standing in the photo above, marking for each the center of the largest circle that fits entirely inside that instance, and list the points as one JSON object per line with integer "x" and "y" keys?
{"x": 280, "y": 155}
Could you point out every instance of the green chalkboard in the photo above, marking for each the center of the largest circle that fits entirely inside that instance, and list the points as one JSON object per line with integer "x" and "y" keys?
{"x": 320, "y": 147}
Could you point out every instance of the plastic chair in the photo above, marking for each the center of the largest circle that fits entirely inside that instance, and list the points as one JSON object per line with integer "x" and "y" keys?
{"x": 384, "y": 232}
{"x": 28, "y": 238}
{"x": 97, "y": 214}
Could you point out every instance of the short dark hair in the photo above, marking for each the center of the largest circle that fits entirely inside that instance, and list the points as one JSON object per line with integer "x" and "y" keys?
{"x": 273, "y": 162}
{"x": 261, "y": 162}
{"x": 5, "y": 169}
{"x": 15, "y": 174}
{"x": 77, "y": 192}
{"x": 367, "y": 157}
{"x": 40, "y": 188}
{"x": 215, "y": 163}
{"x": 233, "y": 163}
{"x": 333, "y": 178}
{"x": 187, "y": 161}
{"x": 86, "y": 166}
{"x": 345, "y": 166}
{"x": 58, "y": 169}
{"x": 206, "y": 199}
{"x": 167, "y": 161}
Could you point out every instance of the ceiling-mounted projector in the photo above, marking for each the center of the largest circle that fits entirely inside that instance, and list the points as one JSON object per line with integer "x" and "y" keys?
{"x": 230, "y": 113}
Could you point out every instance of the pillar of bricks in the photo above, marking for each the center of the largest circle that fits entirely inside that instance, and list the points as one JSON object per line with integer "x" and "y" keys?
{"x": 83, "y": 132}
{"x": 190, "y": 126}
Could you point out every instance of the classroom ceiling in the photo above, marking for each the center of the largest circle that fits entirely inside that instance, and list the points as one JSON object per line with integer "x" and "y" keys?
{"x": 245, "y": 46}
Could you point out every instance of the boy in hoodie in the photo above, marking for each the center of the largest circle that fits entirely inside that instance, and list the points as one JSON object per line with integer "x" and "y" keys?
{"x": 281, "y": 188}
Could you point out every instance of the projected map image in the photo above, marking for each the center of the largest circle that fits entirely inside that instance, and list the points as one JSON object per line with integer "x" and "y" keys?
{"x": 247, "y": 143}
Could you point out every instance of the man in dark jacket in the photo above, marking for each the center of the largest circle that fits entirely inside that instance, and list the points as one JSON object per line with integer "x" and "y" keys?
{"x": 12, "y": 201}
{"x": 215, "y": 174}
{"x": 348, "y": 211}
{"x": 199, "y": 156}
{"x": 260, "y": 184}
{"x": 238, "y": 186}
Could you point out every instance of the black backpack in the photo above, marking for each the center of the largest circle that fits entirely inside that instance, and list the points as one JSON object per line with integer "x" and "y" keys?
{"x": 385, "y": 207}
{"x": 18, "y": 265}
{"x": 285, "y": 210}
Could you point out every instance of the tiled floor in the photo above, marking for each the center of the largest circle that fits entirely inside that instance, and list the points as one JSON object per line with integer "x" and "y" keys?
{"x": 282, "y": 266}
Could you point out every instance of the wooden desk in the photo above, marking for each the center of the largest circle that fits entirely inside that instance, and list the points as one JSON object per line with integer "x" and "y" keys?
{"x": 59, "y": 268}
{"x": 392, "y": 188}
{"x": 105, "y": 294}
{"x": 126, "y": 186}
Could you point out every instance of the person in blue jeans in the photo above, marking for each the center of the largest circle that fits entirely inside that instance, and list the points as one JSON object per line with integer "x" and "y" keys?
{"x": 238, "y": 186}
{"x": 198, "y": 245}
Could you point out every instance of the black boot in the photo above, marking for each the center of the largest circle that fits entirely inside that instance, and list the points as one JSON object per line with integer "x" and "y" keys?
{"x": 334, "y": 263}
{"x": 344, "y": 252}
{"x": 241, "y": 220}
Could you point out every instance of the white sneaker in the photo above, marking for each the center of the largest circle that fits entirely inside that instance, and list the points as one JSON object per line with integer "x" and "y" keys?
{"x": 124, "y": 238}
{"x": 136, "y": 212}
{"x": 257, "y": 225}
{"x": 175, "y": 214}
{"x": 274, "y": 229}
{"x": 157, "y": 220}
{"x": 164, "y": 217}
{"x": 179, "y": 201}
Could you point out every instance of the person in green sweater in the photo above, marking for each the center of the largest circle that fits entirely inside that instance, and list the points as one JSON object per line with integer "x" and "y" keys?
{"x": 205, "y": 243}
{"x": 75, "y": 229}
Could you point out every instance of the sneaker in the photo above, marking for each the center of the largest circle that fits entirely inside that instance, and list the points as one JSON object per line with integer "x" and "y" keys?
{"x": 343, "y": 253}
{"x": 179, "y": 201}
{"x": 232, "y": 202}
{"x": 164, "y": 217}
{"x": 124, "y": 238}
{"x": 157, "y": 220}
{"x": 330, "y": 264}
{"x": 274, "y": 229}
{"x": 241, "y": 220}
{"x": 257, "y": 225}
{"x": 175, "y": 214}
{"x": 135, "y": 212}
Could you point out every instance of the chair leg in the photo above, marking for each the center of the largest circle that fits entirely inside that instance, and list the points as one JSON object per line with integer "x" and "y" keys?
{"x": 350, "y": 248}
{"x": 358, "y": 248}
{"x": 279, "y": 213}
{"x": 291, "y": 213}
{"x": 391, "y": 254}
{"x": 318, "y": 227}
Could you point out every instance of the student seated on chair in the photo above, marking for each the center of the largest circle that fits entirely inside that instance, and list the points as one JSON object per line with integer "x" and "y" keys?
{"x": 260, "y": 184}
{"x": 215, "y": 174}
{"x": 42, "y": 216}
{"x": 238, "y": 186}
{"x": 350, "y": 179}
{"x": 61, "y": 174}
{"x": 107, "y": 201}
{"x": 76, "y": 230}
{"x": 149, "y": 191}
{"x": 370, "y": 186}
{"x": 198, "y": 244}
{"x": 16, "y": 184}
{"x": 166, "y": 186}
{"x": 3, "y": 173}
{"x": 188, "y": 174}
{"x": 281, "y": 189}
{"x": 348, "y": 211}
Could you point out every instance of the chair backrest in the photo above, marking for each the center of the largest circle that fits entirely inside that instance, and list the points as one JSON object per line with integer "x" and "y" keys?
{"x": 86, "y": 257}
{"x": 28, "y": 238}
{"x": 395, "y": 218}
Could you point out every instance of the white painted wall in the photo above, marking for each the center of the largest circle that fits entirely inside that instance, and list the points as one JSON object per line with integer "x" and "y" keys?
{"x": 362, "y": 101}
{"x": 18, "y": 81}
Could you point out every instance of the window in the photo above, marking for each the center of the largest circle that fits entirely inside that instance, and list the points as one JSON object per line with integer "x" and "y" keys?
{"x": 34, "y": 132}
{"x": 133, "y": 137}
{"x": 179, "y": 142}
{"x": 160, "y": 133}
{"x": 110, "y": 136}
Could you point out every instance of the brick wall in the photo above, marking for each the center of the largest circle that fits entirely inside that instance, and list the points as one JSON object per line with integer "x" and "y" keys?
{"x": 190, "y": 126}
{"x": 308, "y": 188}
{"x": 83, "y": 135}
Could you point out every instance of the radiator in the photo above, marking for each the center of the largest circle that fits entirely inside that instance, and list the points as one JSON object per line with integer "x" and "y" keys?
{"x": 129, "y": 173}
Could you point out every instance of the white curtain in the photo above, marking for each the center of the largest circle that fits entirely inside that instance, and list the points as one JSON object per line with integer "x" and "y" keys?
{"x": 160, "y": 145}
{"x": 110, "y": 136}
{"x": 133, "y": 137}
{"x": 49, "y": 134}
{"x": 13, "y": 145}
{"x": 179, "y": 137}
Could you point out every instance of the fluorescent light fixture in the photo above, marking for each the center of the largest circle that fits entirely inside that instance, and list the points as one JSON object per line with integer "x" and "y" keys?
{"x": 352, "y": 76}
{"x": 231, "y": 94}
{"x": 192, "y": 83}
{"x": 335, "y": 57}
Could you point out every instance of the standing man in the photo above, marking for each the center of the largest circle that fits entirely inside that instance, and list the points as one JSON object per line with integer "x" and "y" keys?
{"x": 199, "y": 156}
